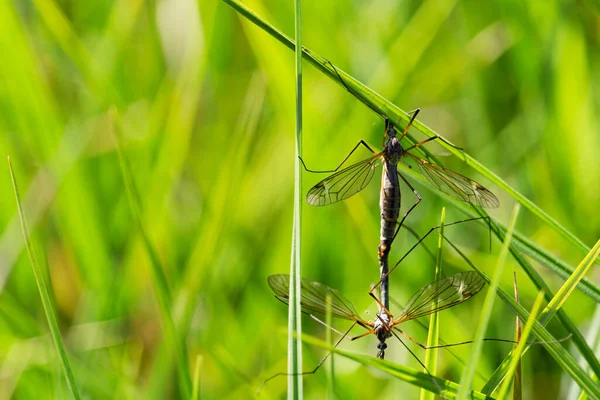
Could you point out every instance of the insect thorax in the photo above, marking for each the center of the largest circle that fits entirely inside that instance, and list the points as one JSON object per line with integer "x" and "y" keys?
{"x": 393, "y": 150}
{"x": 382, "y": 326}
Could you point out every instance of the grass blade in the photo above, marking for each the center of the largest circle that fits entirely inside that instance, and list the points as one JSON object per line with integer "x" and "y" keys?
{"x": 467, "y": 378}
{"x": 175, "y": 343}
{"x": 44, "y": 294}
{"x": 433, "y": 335}
{"x": 330, "y": 370}
{"x": 518, "y": 352}
{"x": 294, "y": 311}
{"x": 197, "y": 377}
{"x": 517, "y": 385}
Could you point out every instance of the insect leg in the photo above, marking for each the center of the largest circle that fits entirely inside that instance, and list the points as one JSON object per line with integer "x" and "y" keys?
{"x": 419, "y": 242}
{"x": 362, "y": 142}
{"x": 421, "y": 143}
{"x": 313, "y": 370}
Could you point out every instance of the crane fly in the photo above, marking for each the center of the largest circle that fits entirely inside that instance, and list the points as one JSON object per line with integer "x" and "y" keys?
{"x": 440, "y": 294}
{"x": 345, "y": 183}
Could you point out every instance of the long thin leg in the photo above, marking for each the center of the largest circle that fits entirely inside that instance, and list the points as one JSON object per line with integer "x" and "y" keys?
{"x": 421, "y": 345}
{"x": 316, "y": 368}
{"x": 342, "y": 163}
{"x": 380, "y": 304}
{"x": 421, "y": 143}
{"x": 419, "y": 242}
{"x": 416, "y": 235}
{"x": 415, "y": 113}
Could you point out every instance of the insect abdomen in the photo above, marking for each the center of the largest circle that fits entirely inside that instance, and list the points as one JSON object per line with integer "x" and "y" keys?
{"x": 389, "y": 202}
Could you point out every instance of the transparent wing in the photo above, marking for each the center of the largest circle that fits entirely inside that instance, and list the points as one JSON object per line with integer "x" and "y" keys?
{"x": 455, "y": 184}
{"x": 441, "y": 294}
{"x": 313, "y": 297}
{"x": 344, "y": 183}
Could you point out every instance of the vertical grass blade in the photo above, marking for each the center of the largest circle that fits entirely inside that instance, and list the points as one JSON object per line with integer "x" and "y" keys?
{"x": 175, "y": 343}
{"x": 518, "y": 352}
{"x": 433, "y": 335}
{"x": 467, "y": 378}
{"x": 517, "y": 385}
{"x": 329, "y": 339}
{"x": 294, "y": 312}
{"x": 44, "y": 295}
{"x": 197, "y": 377}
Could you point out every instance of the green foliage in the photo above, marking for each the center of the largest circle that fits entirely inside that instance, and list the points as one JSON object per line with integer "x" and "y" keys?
{"x": 206, "y": 104}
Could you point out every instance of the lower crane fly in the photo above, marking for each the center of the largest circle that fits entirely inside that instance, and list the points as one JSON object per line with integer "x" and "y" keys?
{"x": 440, "y": 294}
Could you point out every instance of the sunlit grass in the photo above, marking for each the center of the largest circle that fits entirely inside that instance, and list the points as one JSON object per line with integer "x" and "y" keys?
{"x": 207, "y": 106}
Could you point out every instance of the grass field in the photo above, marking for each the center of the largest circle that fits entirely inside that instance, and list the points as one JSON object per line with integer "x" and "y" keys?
{"x": 153, "y": 148}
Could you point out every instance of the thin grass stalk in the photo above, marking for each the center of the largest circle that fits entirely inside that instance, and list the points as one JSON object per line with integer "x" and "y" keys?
{"x": 329, "y": 339}
{"x": 159, "y": 280}
{"x": 433, "y": 334}
{"x": 467, "y": 379}
{"x": 517, "y": 380}
{"x": 294, "y": 310}
{"x": 592, "y": 336}
{"x": 384, "y": 106}
{"x": 197, "y": 377}
{"x": 570, "y": 284}
{"x": 44, "y": 294}
{"x": 518, "y": 352}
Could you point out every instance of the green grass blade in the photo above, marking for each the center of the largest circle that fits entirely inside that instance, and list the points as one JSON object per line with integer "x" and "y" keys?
{"x": 197, "y": 377}
{"x": 175, "y": 343}
{"x": 44, "y": 294}
{"x": 564, "y": 359}
{"x": 433, "y": 335}
{"x": 467, "y": 378}
{"x": 518, "y": 352}
{"x": 294, "y": 311}
{"x": 439, "y": 386}
{"x": 329, "y": 339}
{"x": 395, "y": 114}
{"x": 570, "y": 284}
{"x": 518, "y": 373}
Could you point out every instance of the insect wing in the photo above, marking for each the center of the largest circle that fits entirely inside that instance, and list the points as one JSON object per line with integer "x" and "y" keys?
{"x": 441, "y": 294}
{"x": 344, "y": 183}
{"x": 313, "y": 297}
{"x": 456, "y": 185}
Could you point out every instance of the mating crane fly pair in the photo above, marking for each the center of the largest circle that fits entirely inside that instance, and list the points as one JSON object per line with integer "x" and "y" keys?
{"x": 342, "y": 184}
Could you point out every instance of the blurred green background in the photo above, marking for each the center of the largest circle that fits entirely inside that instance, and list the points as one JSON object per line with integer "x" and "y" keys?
{"x": 206, "y": 100}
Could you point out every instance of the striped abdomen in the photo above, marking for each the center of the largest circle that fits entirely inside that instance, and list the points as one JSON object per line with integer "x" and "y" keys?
{"x": 389, "y": 202}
